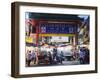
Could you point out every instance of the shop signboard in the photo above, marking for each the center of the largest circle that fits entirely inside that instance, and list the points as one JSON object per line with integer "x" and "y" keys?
{"x": 58, "y": 28}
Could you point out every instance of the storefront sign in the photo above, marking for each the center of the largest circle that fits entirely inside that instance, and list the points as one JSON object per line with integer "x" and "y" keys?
{"x": 29, "y": 40}
{"x": 58, "y": 28}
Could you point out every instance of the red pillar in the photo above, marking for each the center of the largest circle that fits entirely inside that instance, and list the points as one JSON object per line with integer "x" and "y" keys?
{"x": 37, "y": 36}
{"x": 35, "y": 23}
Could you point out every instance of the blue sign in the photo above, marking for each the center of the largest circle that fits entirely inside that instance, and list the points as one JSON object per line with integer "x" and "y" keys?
{"x": 58, "y": 28}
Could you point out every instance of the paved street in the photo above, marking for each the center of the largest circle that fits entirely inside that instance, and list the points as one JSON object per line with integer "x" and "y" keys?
{"x": 71, "y": 62}
{"x": 59, "y": 64}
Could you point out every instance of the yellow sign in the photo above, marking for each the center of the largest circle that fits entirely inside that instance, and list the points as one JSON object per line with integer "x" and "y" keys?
{"x": 29, "y": 39}
{"x": 56, "y": 34}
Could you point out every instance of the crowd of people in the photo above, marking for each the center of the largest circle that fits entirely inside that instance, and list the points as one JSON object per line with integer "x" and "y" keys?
{"x": 53, "y": 57}
{"x": 44, "y": 57}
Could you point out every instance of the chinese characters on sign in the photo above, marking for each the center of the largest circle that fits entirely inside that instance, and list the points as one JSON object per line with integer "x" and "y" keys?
{"x": 58, "y": 28}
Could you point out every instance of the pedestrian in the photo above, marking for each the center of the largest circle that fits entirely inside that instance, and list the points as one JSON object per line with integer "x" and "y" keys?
{"x": 81, "y": 55}
{"x": 33, "y": 56}
{"x": 29, "y": 58}
{"x": 86, "y": 56}
{"x": 62, "y": 55}
{"x": 50, "y": 57}
{"x": 54, "y": 54}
